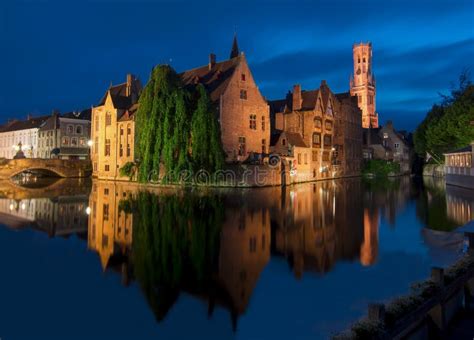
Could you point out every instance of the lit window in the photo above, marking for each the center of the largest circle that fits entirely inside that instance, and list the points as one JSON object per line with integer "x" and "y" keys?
{"x": 65, "y": 141}
{"x": 108, "y": 119}
{"x": 107, "y": 147}
{"x": 316, "y": 139}
{"x": 318, "y": 122}
{"x": 253, "y": 122}
{"x": 74, "y": 141}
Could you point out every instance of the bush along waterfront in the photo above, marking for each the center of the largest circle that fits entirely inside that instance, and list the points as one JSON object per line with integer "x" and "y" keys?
{"x": 176, "y": 129}
{"x": 380, "y": 168}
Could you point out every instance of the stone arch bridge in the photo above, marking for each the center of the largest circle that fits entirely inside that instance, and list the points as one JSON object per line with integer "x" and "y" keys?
{"x": 66, "y": 168}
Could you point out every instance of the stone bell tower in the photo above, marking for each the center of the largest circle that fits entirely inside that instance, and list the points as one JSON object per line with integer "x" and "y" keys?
{"x": 362, "y": 84}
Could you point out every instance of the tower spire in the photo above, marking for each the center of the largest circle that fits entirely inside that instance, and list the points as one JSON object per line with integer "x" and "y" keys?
{"x": 235, "y": 48}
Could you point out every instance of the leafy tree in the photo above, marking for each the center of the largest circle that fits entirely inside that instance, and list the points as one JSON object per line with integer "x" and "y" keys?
{"x": 176, "y": 127}
{"x": 448, "y": 124}
{"x": 205, "y": 135}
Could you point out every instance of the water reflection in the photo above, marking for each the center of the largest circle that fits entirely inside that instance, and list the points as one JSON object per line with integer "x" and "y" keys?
{"x": 215, "y": 244}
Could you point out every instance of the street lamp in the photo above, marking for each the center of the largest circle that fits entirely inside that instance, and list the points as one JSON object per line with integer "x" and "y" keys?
{"x": 90, "y": 142}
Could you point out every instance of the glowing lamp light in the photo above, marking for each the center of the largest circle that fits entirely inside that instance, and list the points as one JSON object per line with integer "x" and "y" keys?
{"x": 88, "y": 210}
{"x": 90, "y": 142}
{"x": 12, "y": 206}
{"x": 23, "y": 206}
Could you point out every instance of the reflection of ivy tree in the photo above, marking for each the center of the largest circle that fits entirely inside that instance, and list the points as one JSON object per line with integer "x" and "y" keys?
{"x": 175, "y": 244}
{"x": 431, "y": 209}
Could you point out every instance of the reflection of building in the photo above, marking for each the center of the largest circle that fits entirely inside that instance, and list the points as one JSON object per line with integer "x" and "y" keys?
{"x": 58, "y": 216}
{"x": 370, "y": 248}
{"x": 110, "y": 227}
{"x": 459, "y": 204}
{"x": 244, "y": 252}
{"x": 320, "y": 225}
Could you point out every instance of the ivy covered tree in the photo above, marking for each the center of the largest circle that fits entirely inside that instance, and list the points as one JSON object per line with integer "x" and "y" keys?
{"x": 175, "y": 128}
{"x": 206, "y": 140}
{"x": 448, "y": 125}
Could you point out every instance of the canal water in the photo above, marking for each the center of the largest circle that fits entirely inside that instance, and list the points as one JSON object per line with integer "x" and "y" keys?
{"x": 86, "y": 260}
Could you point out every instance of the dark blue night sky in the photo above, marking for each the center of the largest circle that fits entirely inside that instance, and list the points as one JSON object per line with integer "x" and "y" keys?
{"x": 64, "y": 55}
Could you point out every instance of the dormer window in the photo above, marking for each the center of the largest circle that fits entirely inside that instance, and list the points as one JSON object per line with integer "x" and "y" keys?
{"x": 242, "y": 77}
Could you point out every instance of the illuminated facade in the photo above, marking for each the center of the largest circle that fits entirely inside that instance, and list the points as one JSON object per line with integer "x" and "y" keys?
{"x": 459, "y": 167}
{"x": 24, "y": 133}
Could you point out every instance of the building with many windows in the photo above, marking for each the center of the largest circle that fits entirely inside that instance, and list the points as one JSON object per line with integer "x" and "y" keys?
{"x": 113, "y": 129}
{"x": 325, "y": 131}
{"x": 20, "y": 134}
{"x": 65, "y": 136}
{"x": 243, "y": 112}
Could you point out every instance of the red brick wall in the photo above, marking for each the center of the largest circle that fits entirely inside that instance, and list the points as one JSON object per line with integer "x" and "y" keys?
{"x": 235, "y": 115}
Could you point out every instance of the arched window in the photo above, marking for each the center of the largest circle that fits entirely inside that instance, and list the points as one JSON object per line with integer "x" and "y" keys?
{"x": 79, "y": 129}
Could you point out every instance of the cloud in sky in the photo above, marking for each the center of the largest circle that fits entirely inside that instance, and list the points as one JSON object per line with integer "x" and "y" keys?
{"x": 64, "y": 56}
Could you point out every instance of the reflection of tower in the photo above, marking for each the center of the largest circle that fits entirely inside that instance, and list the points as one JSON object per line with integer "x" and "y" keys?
{"x": 370, "y": 247}
{"x": 362, "y": 84}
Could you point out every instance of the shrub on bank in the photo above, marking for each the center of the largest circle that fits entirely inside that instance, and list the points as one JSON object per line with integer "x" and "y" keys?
{"x": 380, "y": 168}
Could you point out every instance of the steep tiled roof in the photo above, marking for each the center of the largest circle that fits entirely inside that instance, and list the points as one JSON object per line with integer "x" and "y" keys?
{"x": 464, "y": 149}
{"x": 130, "y": 113}
{"x": 216, "y": 79}
{"x": 32, "y": 123}
{"x": 119, "y": 96}
{"x": 84, "y": 114}
{"x": 309, "y": 99}
{"x": 293, "y": 138}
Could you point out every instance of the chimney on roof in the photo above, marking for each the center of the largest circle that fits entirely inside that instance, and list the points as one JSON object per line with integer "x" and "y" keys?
{"x": 130, "y": 79}
{"x": 212, "y": 60}
{"x": 297, "y": 97}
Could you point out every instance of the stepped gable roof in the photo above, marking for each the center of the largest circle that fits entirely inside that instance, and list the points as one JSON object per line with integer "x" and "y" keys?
{"x": 215, "y": 79}
{"x": 34, "y": 122}
{"x": 464, "y": 149}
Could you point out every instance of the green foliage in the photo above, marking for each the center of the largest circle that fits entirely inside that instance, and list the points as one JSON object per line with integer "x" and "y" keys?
{"x": 175, "y": 245}
{"x": 127, "y": 170}
{"x": 448, "y": 125}
{"x": 171, "y": 121}
{"x": 206, "y": 141}
{"x": 380, "y": 168}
